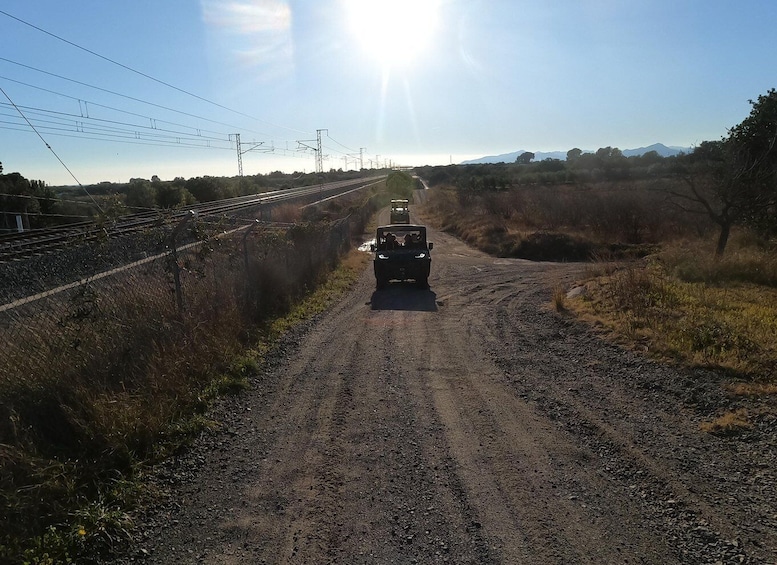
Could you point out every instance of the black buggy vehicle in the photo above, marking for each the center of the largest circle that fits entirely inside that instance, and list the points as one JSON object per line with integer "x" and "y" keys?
{"x": 400, "y": 212}
{"x": 402, "y": 253}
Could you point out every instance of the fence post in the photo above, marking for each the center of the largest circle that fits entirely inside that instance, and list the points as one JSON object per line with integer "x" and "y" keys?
{"x": 191, "y": 215}
{"x": 249, "y": 290}
{"x": 245, "y": 243}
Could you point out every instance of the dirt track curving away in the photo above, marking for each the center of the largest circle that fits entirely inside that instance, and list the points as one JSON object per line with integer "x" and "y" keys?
{"x": 466, "y": 424}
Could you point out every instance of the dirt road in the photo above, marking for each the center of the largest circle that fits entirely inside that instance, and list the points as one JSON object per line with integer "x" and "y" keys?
{"x": 468, "y": 423}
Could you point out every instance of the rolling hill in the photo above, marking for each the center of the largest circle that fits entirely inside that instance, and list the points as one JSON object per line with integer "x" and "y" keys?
{"x": 660, "y": 148}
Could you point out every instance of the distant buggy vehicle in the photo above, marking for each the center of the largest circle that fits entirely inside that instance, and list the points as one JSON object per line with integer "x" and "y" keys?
{"x": 400, "y": 212}
{"x": 402, "y": 253}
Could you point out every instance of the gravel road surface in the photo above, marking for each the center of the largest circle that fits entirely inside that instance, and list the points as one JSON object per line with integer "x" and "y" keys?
{"x": 468, "y": 423}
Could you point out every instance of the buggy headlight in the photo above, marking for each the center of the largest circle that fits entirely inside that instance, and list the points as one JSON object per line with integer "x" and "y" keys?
{"x": 420, "y": 256}
{"x": 382, "y": 256}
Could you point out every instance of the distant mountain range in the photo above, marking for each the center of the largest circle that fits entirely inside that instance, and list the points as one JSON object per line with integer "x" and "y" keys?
{"x": 659, "y": 148}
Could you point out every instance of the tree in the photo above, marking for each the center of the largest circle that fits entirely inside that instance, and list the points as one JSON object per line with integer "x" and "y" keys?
{"x": 525, "y": 158}
{"x": 574, "y": 154}
{"x": 172, "y": 195}
{"x": 609, "y": 154}
{"x": 604, "y": 153}
{"x": 204, "y": 189}
{"x": 30, "y": 199}
{"x": 140, "y": 194}
{"x": 400, "y": 183}
{"x": 650, "y": 158}
{"x": 755, "y": 140}
{"x": 734, "y": 180}
{"x": 550, "y": 165}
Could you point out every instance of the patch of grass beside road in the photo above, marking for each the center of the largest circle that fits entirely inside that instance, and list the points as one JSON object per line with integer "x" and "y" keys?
{"x": 685, "y": 307}
{"x": 337, "y": 283}
{"x": 720, "y": 324}
{"x": 63, "y": 506}
{"x": 677, "y": 303}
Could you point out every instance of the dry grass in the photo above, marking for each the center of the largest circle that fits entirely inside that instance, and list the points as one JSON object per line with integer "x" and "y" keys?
{"x": 559, "y": 298}
{"x": 728, "y": 325}
{"x": 747, "y": 260}
{"x": 97, "y": 382}
{"x": 729, "y": 423}
{"x": 556, "y": 223}
{"x": 680, "y": 304}
{"x": 286, "y": 213}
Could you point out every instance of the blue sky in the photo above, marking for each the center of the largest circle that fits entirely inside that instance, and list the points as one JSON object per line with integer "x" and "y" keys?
{"x": 411, "y": 81}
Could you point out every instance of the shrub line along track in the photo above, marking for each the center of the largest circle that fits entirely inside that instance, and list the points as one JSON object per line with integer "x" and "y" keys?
{"x": 22, "y": 245}
{"x": 467, "y": 423}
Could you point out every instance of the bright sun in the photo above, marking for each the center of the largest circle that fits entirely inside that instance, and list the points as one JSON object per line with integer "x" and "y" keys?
{"x": 395, "y": 32}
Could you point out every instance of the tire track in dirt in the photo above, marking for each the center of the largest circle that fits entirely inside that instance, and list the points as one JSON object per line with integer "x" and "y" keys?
{"x": 284, "y": 499}
{"x": 463, "y": 424}
{"x": 358, "y": 480}
{"x": 591, "y": 394}
{"x": 513, "y": 462}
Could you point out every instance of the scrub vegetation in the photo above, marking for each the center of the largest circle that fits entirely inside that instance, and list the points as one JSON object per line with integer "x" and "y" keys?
{"x": 135, "y": 376}
{"x": 682, "y": 249}
{"x": 655, "y": 278}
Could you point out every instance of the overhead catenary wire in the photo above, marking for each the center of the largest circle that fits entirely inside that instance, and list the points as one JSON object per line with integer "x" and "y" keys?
{"x": 145, "y": 75}
{"x": 177, "y": 144}
{"x": 52, "y": 151}
{"x": 353, "y": 152}
{"x": 47, "y": 215}
{"x": 340, "y": 144}
{"x": 117, "y": 139}
{"x": 75, "y": 202}
{"x": 133, "y": 98}
{"x": 137, "y": 134}
{"x": 179, "y": 140}
{"x": 32, "y": 196}
{"x": 117, "y": 134}
{"x": 60, "y": 121}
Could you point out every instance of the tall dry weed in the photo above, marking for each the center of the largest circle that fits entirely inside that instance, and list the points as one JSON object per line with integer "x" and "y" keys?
{"x": 695, "y": 261}
{"x": 97, "y": 378}
{"x": 286, "y": 213}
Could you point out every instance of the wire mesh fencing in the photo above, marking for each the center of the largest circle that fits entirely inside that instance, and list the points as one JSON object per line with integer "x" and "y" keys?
{"x": 108, "y": 347}
{"x": 195, "y": 280}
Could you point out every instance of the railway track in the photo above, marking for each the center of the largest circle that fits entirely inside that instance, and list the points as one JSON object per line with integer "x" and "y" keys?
{"x": 18, "y": 246}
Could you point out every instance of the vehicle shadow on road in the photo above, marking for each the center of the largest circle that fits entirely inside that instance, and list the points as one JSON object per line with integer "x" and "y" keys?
{"x": 404, "y": 296}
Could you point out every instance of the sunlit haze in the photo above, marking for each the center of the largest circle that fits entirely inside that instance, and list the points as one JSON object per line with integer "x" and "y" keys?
{"x": 126, "y": 89}
{"x": 395, "y": 32}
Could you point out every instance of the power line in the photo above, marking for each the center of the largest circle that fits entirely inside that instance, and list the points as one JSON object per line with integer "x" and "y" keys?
{"x": 52, "y": 150}
{"x": 182, "y": 145}
{"x": 123, "y": 66}
{"x": 109, "y": 92}
{"x": 340, "y": 144}
{"x": 194, "y": 138}
{"x": 120, "y": 135}
{"x": 45, "y": 215}
{"x": 95, "y": 132}
{"x": 98, "y": 125}
{"x": 117, "y": 139}
{"x": 65, "y": 201}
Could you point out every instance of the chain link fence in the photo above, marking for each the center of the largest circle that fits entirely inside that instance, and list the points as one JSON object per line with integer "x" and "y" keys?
{"x": 197, "y": 273}
{"x": 108, "y": 347}
{"x": 95, "y": 368}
